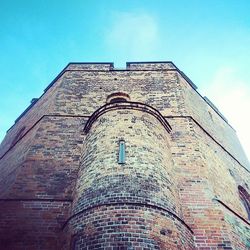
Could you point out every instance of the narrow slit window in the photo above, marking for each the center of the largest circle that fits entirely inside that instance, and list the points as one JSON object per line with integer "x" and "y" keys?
{"x": 121, "y": 157}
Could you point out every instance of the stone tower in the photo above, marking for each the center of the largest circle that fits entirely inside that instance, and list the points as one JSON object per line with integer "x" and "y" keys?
{"x": 123, "y": 159}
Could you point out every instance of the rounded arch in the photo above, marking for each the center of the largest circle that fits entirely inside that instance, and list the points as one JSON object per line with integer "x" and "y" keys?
{"x": 245, "y": 199}
{"x": 127, "y": 105}
{"x": 118, "y": 97}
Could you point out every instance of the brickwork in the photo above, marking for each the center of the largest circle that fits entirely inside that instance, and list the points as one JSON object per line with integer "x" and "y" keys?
{"x": 44, "y": 163}
{"x": 204, "y": 176}
{"x": 211, "y": 121}
{"x": 129, "y": 227}
{"x": 238, "y": 230}
{"x": 31, "y": 224}
{"x": 147, "y": 174}
{"x": 43, "y": 106}
{"x": 150, "y": 66}
{"x": 11, "y": 163}
{"x": 145, "y": 180}
{"x": 61, "y": 186}
{"x": 83, "y": 92}
{"x": 90, "y": 66}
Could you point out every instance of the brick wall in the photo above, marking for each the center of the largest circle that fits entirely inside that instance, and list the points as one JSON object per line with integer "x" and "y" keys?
{"x": 61, "y": 186}
{"x": 31, "y": 224}
{"x": 208, "y": 192}
{"x": 213, "y": 124}
{"x": 142, "y": 190}
{"x": 129, "y": 227}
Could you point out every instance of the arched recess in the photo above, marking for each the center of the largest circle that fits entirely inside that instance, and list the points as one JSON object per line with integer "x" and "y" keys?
{"x": 245, "y": 199}
{"x": 118, "y": 97}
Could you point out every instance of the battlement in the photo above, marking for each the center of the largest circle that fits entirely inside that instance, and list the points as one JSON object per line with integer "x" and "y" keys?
{"x": 108, "y": 66}
{"x": 150, "y": 65}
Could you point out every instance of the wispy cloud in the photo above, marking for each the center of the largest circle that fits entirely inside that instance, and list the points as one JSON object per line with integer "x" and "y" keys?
{"x": 231, "y": 94}
{"x": 133, "y": 35}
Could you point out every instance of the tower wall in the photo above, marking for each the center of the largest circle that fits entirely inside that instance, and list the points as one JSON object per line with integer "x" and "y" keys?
{"x": 209, "y": 194}
{"x": 65, "y": 181}
{"x": 135, "y": 204}
{"x": 37, "y": 180}
{"x": 213, "y": 122}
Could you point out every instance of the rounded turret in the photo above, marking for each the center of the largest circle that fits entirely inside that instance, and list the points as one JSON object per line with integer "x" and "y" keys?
{"x": 125, "y": 194}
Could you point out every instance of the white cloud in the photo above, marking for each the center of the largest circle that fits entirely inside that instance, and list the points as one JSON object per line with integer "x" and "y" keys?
{"x": 136, "y": 36}
{"x": 231, "y": 94}
{"x": 133, "y": 36}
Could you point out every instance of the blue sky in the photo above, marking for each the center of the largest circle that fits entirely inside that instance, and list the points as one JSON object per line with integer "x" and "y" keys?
{"x": 208, "y": 40}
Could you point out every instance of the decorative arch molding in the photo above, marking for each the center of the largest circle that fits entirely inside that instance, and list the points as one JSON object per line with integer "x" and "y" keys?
{"x": 127, "y": 105}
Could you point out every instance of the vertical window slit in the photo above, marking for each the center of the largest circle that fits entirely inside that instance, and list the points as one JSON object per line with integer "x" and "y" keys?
{"x": 121, "y": 157}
